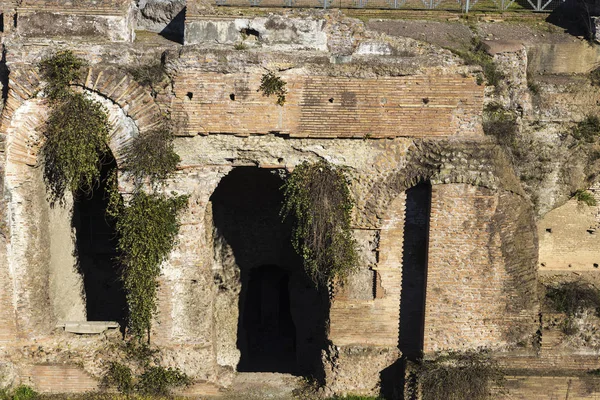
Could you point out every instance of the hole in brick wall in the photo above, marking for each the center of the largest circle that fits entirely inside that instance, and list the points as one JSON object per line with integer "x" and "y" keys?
{"x": 232, "y": 97}
{"x": 249, "y": 32}
{"x": 549, "y": 230}
{"x": 591, "y": 231}
{"x": 282, "y": 316}
{"x": 96, "y": 253}
{"x": 15, "y": 20}
{"x": 331, "y": 99}
{"x": 414, "y": 269}
{"x": 1, "y": 22}
{"x": 190, "y": 95}
{"x": 595, "y": 265}
{"x": 426, "y": 100}
{"x": 280, "y": 160}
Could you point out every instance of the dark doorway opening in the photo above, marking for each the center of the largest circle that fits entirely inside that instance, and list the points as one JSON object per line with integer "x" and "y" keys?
{"x": 414, "y": 270}
{"x": 267, "y": 322}
{"x": 282, "y": 316}
{"x": 96, "y": 249}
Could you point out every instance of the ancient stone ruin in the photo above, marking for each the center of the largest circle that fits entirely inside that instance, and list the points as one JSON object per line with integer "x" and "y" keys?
{"x": 460, "y": 217}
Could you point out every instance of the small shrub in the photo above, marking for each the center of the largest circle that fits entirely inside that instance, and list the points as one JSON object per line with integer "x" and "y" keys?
{"x": 76, "y": 135}
{"x": 160, "y": 380}
{"x": 572, "y": 297}
{"x": 271, "y": 84}
{"x": 587, "y": 130}
{"x": 151, "y": 155}
{"x": 318, "y": 197}
{"x": 459, "y": 376}
{"x": 585, "y": 197}
{"x": 500, "y": 123}
{"x": 23, "y": 392}
{"x": 240, "y": 46}
{"x": 119, "y": 376}
{"x": 149, "y": 75}
{"x": 59, "y": 71}
{"x": 476, "y": 55}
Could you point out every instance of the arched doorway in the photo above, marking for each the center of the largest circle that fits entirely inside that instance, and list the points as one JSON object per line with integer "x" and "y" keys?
{"x": 96, "y": 250}
{"x": 282, "y": 316}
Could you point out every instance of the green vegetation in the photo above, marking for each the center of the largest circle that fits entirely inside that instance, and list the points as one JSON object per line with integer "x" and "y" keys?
{"x": 150, "y": 75}
{"x": 587, "y": 130}
{"x": 318, "y": 197}
{"x": 146, "y": 228}
{"x": 59, "y": 71}
{"x": 573, "y": 297}
{"x": 476, "y": 55}
{"x": 152, "y": 155}
{"x": 354, "y": 397}
{"x": 500, "y": 123}
{"x": 76, "y": 131}
{"x": 159, "y": 380}
{"x": 21, "y": 392}
{"x": 119, "y": 376}
{"x": 459, "y": 376}
{"x": 585, "y": 197}
{"x": 271, "y": 84}
{"x": 76, "y": 135}
{"x": 153, "y": 380}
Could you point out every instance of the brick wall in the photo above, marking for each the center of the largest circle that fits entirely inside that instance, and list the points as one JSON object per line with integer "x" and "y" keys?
{"x": 326, "y": 106}
{"x": 58, "y": 378}
{"x": 471, "y": 285}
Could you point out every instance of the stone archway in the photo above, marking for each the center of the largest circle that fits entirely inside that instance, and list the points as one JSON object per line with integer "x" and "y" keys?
{"x": 40, "y": 238}
{"x": 277, "y": 316}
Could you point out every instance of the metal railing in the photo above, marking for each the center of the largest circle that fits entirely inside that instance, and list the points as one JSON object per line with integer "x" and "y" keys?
{"x": 451, "y": 5}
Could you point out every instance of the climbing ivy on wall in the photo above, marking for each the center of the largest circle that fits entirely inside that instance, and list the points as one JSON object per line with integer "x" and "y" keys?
{"x": 77, "y": 133}
{"x": 147, "y": 228}
{"x": 318, "y": 198}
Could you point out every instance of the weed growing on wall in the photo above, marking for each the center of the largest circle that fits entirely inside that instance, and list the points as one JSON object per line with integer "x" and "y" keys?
{"x": 271, "y": 84}
{"x": 476, "y": 55}
{"x": 59, "y": 71}
{"x": 150, "y": 75}
{"x": 587, "y": 130}
{"x": 119, "y": 376}
{"x": 21, "y": 392}
{"x": 155, "y": 380}
{"x": 585, "y": 197}
{"x": 318, "y": 198}
{"x": 76, "y": 135}
{"x": 458, "y": 376}
{"x": 573, "y": 297}
{"x": 146, "y": 228}
{"x": 152, "y": 155}
{"x": 500, "y": 123}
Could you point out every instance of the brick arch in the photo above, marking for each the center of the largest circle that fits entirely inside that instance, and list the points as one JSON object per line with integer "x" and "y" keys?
{"x": 478, "y": 163}
{"x": 111, "y": 83}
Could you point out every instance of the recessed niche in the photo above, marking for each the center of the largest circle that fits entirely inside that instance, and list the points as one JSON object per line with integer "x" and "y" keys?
{"x": 331, "y": 99}
{"x": 232, "y": 97}
{"x": 595, "y": 265}
{"x": 190, "y": 95}
{"x": 426, "y": 100}
{"x": 549, "y": 230}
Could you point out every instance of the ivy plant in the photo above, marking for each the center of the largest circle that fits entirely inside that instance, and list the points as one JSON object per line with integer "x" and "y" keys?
{"x": 76, "y": 134}
{"x": 59, "y": 71}
{"x": 318, "y": 199}
{"x": 152, "y": 155}
{"x": 147, "y": 228}
{"x": 271, "y": 84}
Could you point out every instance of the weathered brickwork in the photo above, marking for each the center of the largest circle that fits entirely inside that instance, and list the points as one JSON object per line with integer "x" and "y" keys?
{"x": 467, "y": 278}
{"x": 326, "y": 106}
